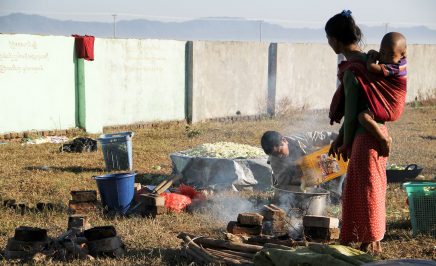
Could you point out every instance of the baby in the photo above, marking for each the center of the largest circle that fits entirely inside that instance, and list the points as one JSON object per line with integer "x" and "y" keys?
{"x": 392, "y": 62}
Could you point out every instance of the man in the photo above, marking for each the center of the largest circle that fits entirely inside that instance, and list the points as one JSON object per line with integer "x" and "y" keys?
{"x": 284, "y": 152}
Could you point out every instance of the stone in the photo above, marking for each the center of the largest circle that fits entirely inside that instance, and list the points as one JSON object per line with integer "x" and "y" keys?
{"x": 236, "y": 228}
{"x": 250, "y": 218}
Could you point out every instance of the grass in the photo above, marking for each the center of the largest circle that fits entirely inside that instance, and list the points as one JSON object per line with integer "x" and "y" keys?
{"x": 153, "y": 241}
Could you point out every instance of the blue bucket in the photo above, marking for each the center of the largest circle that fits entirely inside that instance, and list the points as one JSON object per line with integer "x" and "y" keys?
{"x": 116, "y": 191}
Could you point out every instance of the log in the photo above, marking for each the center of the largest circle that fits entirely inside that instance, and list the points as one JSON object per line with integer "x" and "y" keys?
{"x": 228, "y": 258}
{"x": 262, "y": 240}
{"x": 248, "y": 256}
{"x": 197, "y": 258}
{"x": 197, "y": 249}
{"x": 217, "y": 243}
{"x": 271, "y": 245}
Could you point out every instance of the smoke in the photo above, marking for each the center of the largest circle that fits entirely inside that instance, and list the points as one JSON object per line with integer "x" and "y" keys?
{"x": 226, "y": 206}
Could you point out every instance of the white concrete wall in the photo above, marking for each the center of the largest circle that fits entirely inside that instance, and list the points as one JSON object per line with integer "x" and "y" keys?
{"x": 306, "y": 75}
{"x": 37, "y": 82}
{"x": 421, "y": 71}
{"x": 228, "y": 77}
{"x": 133, "y": 81}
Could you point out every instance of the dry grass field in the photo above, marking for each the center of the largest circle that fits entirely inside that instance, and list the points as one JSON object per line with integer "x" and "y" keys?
{"x": 24, "y": 177}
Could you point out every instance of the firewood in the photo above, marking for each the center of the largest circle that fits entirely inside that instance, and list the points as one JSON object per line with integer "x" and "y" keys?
{"x": 228, "y": 258}
{"x": 242, "y": 255}
{"x": 217, "y": 243}
{"x": 197, "y": 249}
{"x": 276, "y": 246}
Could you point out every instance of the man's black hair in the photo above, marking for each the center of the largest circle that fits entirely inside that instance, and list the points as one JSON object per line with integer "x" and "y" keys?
{"x": 269, "y": 140}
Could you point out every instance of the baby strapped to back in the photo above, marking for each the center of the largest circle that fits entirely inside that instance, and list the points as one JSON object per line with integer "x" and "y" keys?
{"x": 384, "y": 83}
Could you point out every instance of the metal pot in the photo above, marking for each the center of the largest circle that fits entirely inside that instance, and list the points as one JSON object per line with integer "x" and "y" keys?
{"x": 311, "y": 202}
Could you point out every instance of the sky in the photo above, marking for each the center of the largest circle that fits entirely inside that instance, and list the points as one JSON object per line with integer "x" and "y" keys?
{"x": 291, "y": 13}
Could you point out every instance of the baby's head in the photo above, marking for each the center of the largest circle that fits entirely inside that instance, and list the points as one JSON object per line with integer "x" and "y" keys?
{"x": 393, "y": 47}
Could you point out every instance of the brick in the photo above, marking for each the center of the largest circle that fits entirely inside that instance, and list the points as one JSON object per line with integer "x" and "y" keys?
{"x": 153, "y": 211}
{"x": 78, "y": 221}
{"x": 100, "y": 232}
{"x": 151, "y": 200}
{"x": 271, "y": 212}
{"x": 81, "y": 207}
{"x": 30, "y": 234}
{"x": 250, "y": 218}
{"x": 320, "y": 221}
{"x": 321, "y": 234}
{"x": 17, "y": 245}
{"x": 84, "y": 195}
{"x": 105, "y": 244}
{"x": 237, "y": 229}
{"x": 274, "y": 227}
{"x": 40, "y": 206}
{"x": 9, "y": 202}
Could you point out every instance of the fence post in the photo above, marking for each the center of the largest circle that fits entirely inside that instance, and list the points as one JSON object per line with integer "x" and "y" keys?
{"x": 272, "y": 73}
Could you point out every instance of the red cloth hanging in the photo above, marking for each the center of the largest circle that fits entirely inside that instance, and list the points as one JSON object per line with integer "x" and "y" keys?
{"x": 84, "y": 46}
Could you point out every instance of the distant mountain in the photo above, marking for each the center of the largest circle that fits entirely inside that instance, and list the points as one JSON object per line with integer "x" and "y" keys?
{"x": 224, "y": 29}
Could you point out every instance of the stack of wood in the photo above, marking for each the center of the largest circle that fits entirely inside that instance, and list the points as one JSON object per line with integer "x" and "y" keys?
{"x": 321, "y": 228}
{"x": 26, "y": 242}
{"x": 248, "y": 223}
{"x": 235, "y": 250}
{"x": 104, "y": 241}
{"x": 83, "y": 201}
{"x": 205, "y": 250}
{"x": 273, "y": 220}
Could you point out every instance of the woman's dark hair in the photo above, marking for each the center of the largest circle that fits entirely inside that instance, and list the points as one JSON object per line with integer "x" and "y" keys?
{"x": 269, "y": 140}
{"x": 342, "y": 27}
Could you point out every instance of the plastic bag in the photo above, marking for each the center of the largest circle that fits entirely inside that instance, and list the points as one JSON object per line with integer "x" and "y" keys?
{"x": 176, "y": 202}
{"x": 191, "y": 192}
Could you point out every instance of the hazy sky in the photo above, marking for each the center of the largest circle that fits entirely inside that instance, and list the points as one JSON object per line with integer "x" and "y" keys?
{"x": 313, "y": 13}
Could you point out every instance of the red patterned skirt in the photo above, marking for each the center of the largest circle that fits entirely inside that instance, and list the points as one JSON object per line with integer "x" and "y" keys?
{"x": 364, "y": 196}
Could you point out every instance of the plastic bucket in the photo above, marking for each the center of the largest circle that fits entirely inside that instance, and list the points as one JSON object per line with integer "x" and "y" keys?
{"x": 116, "y": 191}
{"x": 117, "y": 150}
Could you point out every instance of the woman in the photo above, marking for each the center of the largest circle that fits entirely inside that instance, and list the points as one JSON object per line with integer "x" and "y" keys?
{"x": 363, "y": 206}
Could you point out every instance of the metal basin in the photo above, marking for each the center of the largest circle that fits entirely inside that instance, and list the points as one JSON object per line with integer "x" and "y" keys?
{"x": 311, "y": 202}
